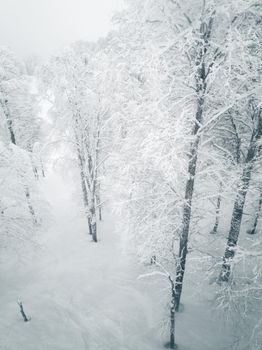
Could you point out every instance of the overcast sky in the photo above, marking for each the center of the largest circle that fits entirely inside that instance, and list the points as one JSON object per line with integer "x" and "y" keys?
{"x": 43, "y": 26}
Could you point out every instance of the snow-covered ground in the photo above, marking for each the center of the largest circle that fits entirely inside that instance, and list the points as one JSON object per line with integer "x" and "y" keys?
{"x": 82, "y": 295}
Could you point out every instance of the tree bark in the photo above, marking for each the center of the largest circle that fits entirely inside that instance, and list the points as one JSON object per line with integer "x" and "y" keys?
{"x": 186, "y": 224}
{"x": 82, "y": 164}
{"x": 171, "y": 344}
{"x": 253, "y": 230}
{"x": 201, "y": 87}
{"x": 98, "y": 202}
{"x": 240, "y": 202}
{"x": 100, "y": 213}
{"x": 218, "y": 206}
{"x": 84, "y": 188}
{"x": 25, "y": 318}
{"x": 172, "y": 316}
{"x": 30, "y": 206}
{"x": 238, "y": 140}
{"x": 201, "y": 75}
{"x": 9, "y": 120}
{"x": 93, "y": 220}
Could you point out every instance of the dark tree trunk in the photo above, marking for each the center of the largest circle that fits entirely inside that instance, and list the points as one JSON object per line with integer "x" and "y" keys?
{"x": 172, "y": 317}
{"x": 186, "y": 224}
{"x": 189, "y": 191}
{"x": 12, "y": 135}
{"x": 238, "y": 141}
{"x": 35, "y": 172}
{"x": 93, "y": 221}
{"x": 153, "y": 260}
{"x": 218, "y": 207}
{"x": 25, "y": 318}
{"x": 253, "y": 230}
{"x": 201, "y": 86}
{"x": 94, "y": 232}
{"x": 172, "y": 331}
{"x": 202, "y": 72}
{"x": 9, "y": 121}
{"x": 34, "y": 167}
{"x": 30, "y": 206}
{"x": 240, "y": 202}
{"x": 89, "y": 225}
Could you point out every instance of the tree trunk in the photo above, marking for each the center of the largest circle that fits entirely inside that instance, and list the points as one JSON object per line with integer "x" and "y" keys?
{"x": 84, "y": 185}
{"x": 218, "y": 206}
{"x": 186, "y": 223}
{"x": 172, "y": 317}
{"x": 253, "y": 230}
{"x": 239, "y": 204}
{"x": 201, "y": 85}
{"x": 93, "y": 221}
{"x": 84, "y": 190}
{"x": 238, "y": 140}
{"x": 34, "y": 167}
{"x": 12, "y": 135}
{"x": 89, "y": 219}
{"x": 83, "y": 182}
{"x": 172, "y": 330}
{"x": 98, "y": 201}
{"x": 25, "y": 318}
{"x": 9, "y": 121}
{"x": 188, "y": 203}
{"x": 42, "y": 168}
{"x": 30, "y": 206}
{"x": 35, "y": 171}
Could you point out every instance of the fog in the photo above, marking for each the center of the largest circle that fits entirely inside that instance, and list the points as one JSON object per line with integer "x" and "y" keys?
{"x": 43, "y": 26}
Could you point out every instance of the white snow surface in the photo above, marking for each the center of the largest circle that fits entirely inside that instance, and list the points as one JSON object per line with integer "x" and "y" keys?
{"x": 82, "y": 295}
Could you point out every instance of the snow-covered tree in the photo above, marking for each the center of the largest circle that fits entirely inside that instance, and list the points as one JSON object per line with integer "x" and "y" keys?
{"x": 180, "y": 80}
{"x": 82, "y": 110}
{"x": 19, "y": 129}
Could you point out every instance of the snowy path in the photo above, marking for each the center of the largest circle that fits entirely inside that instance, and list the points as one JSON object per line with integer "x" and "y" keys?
{"x": 80, "y": 295}
{"x": 86, "y": 296}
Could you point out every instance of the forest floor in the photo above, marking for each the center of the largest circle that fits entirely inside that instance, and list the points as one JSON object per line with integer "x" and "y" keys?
{"x": 81, "y": 295}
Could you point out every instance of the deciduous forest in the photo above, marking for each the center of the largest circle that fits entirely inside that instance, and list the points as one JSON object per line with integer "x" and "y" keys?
{"x": 131, "y": 187}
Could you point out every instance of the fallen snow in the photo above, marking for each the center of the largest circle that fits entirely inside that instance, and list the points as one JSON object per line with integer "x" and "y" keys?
{"x": 83, "y": 295}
